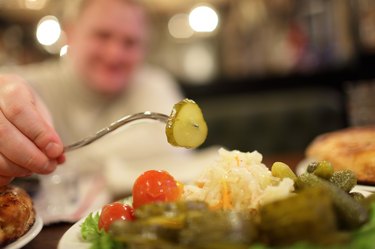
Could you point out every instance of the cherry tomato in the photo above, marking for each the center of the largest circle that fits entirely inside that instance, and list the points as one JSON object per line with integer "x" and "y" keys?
{"x": 114, "y": 211}
{"x": 155, "y": 186}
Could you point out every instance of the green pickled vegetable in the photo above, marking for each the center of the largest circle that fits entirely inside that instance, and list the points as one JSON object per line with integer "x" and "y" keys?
{"x": 282, "y": 170}
{"x": 344, "y": 179}
{"x": 142, "y": 234}
{"x": 185, "y": 225}
{"x": 324, "y": 169}
{"x": 307, "y": 216}
{"x": 352, "y": 214}
{"x": 218, "y": 229}
{"x": 368, "y": 201}
{"x": 357, "y": 196}
{"x": 169, "y": 209}
{"x": 312, "y": 166}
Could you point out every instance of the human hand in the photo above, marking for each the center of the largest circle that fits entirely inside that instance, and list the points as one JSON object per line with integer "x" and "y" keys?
{"x": 28, "y": 142}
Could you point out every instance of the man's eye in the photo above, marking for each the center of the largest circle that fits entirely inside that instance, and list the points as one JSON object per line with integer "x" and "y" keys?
{"x": 131, "y": 43}
{"x": 102, "y": 35}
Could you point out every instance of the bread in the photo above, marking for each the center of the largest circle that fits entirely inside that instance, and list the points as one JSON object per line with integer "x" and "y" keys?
{"x": 351, "y": 148}
{"x": 17, "y": 214}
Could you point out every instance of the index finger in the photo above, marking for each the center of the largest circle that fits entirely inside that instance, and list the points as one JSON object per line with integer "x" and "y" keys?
{"x": 19, "y": 106}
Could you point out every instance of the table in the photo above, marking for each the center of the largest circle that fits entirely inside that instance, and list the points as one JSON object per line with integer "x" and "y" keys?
{"x": 50, "y": 235}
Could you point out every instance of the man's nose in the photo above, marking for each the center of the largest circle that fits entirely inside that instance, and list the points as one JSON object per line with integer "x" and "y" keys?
{"x": 115, "y": 51}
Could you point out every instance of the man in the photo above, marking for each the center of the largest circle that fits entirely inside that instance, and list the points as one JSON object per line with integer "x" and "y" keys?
{"x": 101, "y": 80}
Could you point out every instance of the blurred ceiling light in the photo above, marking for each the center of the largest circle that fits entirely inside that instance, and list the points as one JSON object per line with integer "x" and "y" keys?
{"x": 35, "y": 4}
{"x": 64, "y": 50}
{"x": 48, "y": 31}
{"x": 199, "y": 63}
{"x": 203, "y": 19}
{"x": 179, "y": 28}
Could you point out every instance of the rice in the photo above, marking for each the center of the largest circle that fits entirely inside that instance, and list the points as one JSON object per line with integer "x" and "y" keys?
{"x": 238, "y": 181}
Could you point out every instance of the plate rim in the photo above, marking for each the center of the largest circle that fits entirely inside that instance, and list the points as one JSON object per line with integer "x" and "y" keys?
{"x": 28, "y": 236}
{"x": 72, "y": 231}
{"x": 75, "y": 231}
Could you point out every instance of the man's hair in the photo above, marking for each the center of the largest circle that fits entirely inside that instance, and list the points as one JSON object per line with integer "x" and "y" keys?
{"x": 73, "y": 8}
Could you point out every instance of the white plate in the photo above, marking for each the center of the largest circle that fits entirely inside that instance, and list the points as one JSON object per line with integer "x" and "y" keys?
{"x": 27, "y": 237}
{"x": 72, "y": 238}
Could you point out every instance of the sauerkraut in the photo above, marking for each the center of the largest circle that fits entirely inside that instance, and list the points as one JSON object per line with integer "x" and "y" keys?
{"x": 238, "y": 181}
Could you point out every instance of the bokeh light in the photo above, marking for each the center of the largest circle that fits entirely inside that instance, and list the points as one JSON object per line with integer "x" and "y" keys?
{"x": 203, "y": 19}
{"x": 199, "y": 63}
{"x": 179, "y": 28}
{"x": 48, "y": 31}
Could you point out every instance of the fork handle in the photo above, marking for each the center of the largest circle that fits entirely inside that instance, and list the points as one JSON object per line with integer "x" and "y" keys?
{"x": 115, "y": 125}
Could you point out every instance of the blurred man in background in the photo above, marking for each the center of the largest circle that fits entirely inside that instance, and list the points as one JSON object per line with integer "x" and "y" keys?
{"x": 101, "y": 79}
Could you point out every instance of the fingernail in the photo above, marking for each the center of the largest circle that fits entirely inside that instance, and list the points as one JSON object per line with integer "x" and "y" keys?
{"x": 53, "y": 150}
{"x": 61, "y": 159}
{"x": 49, "y": 167}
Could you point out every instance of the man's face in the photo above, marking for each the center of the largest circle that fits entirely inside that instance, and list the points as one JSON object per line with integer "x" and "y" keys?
{"x": 107, "y": 43}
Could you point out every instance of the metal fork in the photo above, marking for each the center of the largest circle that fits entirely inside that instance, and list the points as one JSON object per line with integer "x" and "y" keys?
{"x": 115, "y": 125}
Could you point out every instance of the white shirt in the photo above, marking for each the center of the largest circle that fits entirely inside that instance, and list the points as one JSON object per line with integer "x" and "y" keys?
{"x": 78, "y": 112}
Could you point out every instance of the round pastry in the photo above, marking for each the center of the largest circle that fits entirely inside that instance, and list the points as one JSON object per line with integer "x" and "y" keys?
{"x": 351, "y": 148}
{"x": 17, "y": 214}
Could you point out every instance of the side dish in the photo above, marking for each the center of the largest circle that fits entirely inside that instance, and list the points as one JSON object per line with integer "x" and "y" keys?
{"x": 239, "y": 203}
{"x": 17, "y": 213}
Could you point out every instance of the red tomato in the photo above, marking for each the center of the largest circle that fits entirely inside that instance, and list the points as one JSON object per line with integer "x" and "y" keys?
{"x": 155, "y": 186}
{"x": 114, "y": 211}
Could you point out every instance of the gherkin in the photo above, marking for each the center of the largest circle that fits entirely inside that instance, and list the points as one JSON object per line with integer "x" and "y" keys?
{"x": 357, "y": 196}
{"x": 352, "y": 214}
{"x": 324, "y": 170}
{"x": 306, "y": 216}
{"x": 344, "y": 179}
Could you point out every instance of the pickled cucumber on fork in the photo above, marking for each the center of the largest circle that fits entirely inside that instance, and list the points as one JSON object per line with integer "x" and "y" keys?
{"x": 350, "y": 212}
{"x": 186, "y": 126}
{"x": 307, "y": 216}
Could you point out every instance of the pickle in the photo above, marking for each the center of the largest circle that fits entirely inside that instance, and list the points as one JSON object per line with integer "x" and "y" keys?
{"x": 357, "y": 196}
{"x": 169, "y": 208}
{"x": 186, "y": 126}
{"x": 324, "y": 169}
{"x": 312, "y": 166}
{"x": 185, "y": 225}
{"x": 142, "y": 235}
{"x": 368, "y": 201}
{"x": 218, "y": 229}
{"x": 344, "y": 179}
{"x": 308, "y": 216}
{"x": 282, "y": 170}
{"x": 352, "y": 214}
